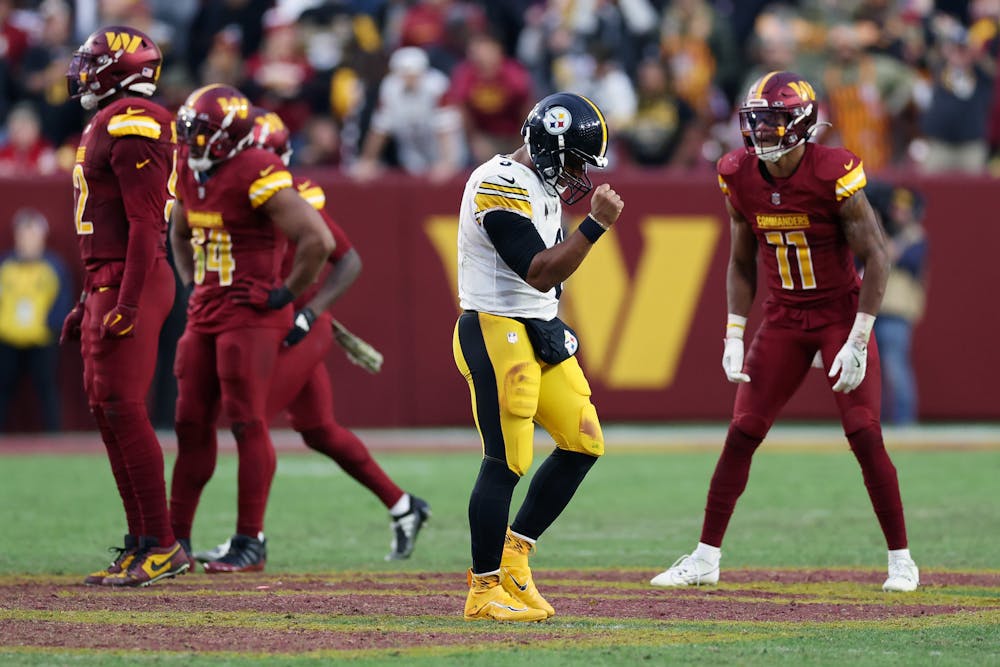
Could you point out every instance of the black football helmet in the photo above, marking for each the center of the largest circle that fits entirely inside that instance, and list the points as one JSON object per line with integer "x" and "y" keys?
{"x": 778, "y": 114}
{"x": 564, "y": 133}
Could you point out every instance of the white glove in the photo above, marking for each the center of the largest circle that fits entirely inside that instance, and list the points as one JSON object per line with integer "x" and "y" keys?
{"x": 852, "y": 360}
{"x": 357, "y": 350}
{"x": 732, "y": 360}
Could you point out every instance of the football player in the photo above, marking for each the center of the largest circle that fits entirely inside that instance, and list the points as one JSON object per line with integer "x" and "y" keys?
{"x": 515, "y": 353}
{"x": 798, "y": 210}
{"x": 301, "y": 382}
{"x": 123, "y": 180}
{"x": 236, "y": 205}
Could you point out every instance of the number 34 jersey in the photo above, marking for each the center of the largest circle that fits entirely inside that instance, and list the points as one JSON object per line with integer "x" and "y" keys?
{"x": 801, "y": 245}
{"x": 232, "y": 241}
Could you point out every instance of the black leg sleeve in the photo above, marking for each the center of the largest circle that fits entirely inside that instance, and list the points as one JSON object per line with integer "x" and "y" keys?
{"x": 489, "y": 509}
{"x": 551, "y": 489}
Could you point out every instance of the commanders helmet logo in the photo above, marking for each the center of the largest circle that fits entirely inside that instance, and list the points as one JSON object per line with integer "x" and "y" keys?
{"x": 557, "y": 120}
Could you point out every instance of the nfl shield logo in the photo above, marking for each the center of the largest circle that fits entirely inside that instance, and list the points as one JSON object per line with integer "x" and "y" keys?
{"x": 776, "y": 198}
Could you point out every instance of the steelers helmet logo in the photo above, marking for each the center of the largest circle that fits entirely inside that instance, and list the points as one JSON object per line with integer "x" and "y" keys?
{"x": 557, "y": 120}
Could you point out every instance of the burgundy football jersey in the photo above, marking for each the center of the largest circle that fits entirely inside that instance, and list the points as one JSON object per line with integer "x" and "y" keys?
{"x": 801, "y": 245}
{"x": 314, "y": 194}
{"x": 232, "y": 241}
{"x": 124, "y": 170}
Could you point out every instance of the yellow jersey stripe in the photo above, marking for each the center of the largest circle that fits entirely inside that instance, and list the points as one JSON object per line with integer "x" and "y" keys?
{"x": 486, "y": 203}
{"x": 315, "y": 196}
{"x": 143, "y": 126}
{"x": 264, "y": 188}
{"x": 851, "y": 182}
{"x": 604, "y": 126}
{"x": 492, "y": 187}
{"x": 723, "y": 186}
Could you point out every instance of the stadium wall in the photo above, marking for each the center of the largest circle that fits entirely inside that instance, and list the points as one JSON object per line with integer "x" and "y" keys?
{"x": 648, "y": 305}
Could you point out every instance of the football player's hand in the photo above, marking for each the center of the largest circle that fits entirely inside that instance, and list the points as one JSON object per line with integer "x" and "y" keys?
{"x": 119, "y": 322}
{"x": 357, "y": 350}
{"x": 261, "y": 296}
{"x": 71, "y": 325}
{"x": 851, "y": 362}
{"x": 301, "y": 325}
{"x": 732, "y": 361}
{"x": 605, "y": 205}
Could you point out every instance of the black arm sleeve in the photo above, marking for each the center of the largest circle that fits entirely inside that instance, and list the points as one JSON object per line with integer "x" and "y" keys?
{"x": 515, "y": 238}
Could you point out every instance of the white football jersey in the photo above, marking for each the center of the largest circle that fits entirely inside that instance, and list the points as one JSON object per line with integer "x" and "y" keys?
{"x": 485, "y": 282}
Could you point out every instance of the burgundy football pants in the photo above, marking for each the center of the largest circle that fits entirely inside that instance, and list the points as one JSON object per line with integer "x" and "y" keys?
{"x": 227, "y": 372}
{"x": 116, "y": 376}
{"x": 301, "y": 385}
{"x": 777, "y": 362}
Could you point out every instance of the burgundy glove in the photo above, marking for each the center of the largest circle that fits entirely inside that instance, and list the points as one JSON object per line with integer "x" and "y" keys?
{"x": 119, "y": 322}
{"x": 71, "y": 325}
{"x": 260, "y": 297}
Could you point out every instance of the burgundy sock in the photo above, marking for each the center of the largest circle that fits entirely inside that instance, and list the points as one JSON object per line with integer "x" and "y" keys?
{"x": 730, "y": 479}
{"x": 347, "y": 451}
{"x": 143, "y": 459}
{"x": 882, "y": 483}
{"x": 132, "y": 515}
{"x": 256, "y": 470}
{"x": 196, "y": 455}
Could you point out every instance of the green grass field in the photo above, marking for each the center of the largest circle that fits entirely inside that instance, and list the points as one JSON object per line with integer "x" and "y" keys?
{"x": 638, "y": 510}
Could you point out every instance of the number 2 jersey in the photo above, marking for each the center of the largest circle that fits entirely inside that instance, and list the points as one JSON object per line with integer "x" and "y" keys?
{"x": 123, "y": 180}
{"x": 232, "y": 241}
{"x": 801, "y": 246}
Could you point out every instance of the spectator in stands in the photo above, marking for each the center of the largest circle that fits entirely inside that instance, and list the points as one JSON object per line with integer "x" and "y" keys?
{"x": 441, "y": 28}
{"x": 43, "y": 76}
{"x": 868, "y": 93}
{"x": 279, "y": 72}
{"x": 901, "y": 211}
{"x": 956, "y": 105}
{"x": 493, "y": 93}
{"x": 223, "y": 62}
{"x": 25, "y": 151}
{"x": 413, "y": 114}
{"x": 34, "y": 298}
{"x": 320, "y": 143}
{"x": 610, "y": 88}
{"x": 665, "y": 130}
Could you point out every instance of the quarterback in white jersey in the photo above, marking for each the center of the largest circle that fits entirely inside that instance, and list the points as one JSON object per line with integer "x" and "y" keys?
{"x": 485, "y": 282}
{"x": 515, "y": 353}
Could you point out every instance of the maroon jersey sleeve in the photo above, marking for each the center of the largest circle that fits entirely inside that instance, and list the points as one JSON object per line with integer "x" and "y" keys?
{"x": 141, "y": 167}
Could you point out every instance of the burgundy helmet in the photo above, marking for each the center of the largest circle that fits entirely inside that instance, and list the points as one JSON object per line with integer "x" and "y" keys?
{"x": 271, "y": 133}
{"x": 779, "y": 113}
{"x": 215, "y": 124}
{"x": 113, "y": 59}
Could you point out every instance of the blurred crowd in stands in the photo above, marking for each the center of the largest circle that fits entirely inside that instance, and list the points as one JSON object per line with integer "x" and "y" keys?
{"x": 434, "y": 86}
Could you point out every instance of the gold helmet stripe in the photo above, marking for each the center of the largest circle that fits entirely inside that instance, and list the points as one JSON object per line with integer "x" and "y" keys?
{"x": 763, "y": 82}
{"x": 604, "y": 126}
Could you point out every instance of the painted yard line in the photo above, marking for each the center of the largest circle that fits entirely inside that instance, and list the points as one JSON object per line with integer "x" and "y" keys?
{"x": 621, "y": 436}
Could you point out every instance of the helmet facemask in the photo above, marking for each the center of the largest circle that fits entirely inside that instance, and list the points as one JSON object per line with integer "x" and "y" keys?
{"x": 772, "y": 133}
{"x": 563, "y": 171}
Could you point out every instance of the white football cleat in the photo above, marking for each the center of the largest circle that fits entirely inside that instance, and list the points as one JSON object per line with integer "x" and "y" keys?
{"x": 688, "y": 571}
{"x": 904, "y": 577}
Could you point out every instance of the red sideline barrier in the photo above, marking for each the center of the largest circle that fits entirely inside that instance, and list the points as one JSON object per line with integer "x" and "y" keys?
{"x": 649, "y": 304}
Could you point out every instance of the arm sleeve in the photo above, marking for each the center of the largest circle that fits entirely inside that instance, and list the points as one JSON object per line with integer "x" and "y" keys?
{"x": 144, "y": 195}
{"x": 515, "y": 239}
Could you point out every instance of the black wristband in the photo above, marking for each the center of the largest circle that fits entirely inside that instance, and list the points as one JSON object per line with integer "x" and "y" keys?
{"x": 591, "y": 229}
{"x": 280, "y": 297}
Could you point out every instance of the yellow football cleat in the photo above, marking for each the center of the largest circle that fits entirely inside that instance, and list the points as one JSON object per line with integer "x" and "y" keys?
{"x": 489, "y": 601}
{"x": 515, "y": 575}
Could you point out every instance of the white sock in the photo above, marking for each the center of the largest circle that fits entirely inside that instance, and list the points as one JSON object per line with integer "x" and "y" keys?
{"x": 708, "y": 553}
{"x": 486, "y": 574}
{"x": 899, "y": 554}
{"x": 401, "y": 507}
{"x": 523, "y": 537}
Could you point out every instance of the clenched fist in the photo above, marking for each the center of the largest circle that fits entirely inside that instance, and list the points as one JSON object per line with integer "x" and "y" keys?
{"x": 605, "y": 205}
